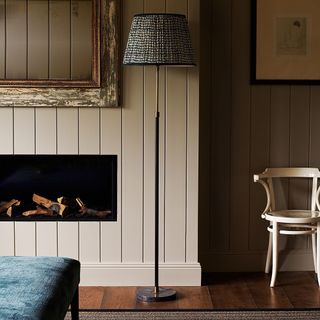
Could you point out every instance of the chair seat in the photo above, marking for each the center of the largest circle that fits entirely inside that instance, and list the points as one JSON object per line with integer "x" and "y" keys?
{"x": 293, "y": 216}
{"x": 37, "y": 287}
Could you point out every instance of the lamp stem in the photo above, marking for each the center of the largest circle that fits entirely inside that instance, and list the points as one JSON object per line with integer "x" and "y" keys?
{"x": 157, "y": 181}
{"x": 152, "y": 294}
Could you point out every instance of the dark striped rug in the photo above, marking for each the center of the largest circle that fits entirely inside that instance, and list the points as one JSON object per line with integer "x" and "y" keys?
{"x": 201, "y": 315}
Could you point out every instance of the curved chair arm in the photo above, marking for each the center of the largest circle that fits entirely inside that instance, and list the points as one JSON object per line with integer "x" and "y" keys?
{"x": 266, "y": 187}
{"x": 317, "y": 199}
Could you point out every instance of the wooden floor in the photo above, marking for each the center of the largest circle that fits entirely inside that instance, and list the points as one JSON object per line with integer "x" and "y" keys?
{"x": 219, "y": 291}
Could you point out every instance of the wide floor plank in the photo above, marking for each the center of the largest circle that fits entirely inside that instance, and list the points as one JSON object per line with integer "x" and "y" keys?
{"x": 231, "y": 291}
{"x": 194, "y": 298}
{"x": 263, "y": 295}
{"x": 91, "y": 297}
{"x": 119, "y": 298}
{"x": 301, "y": 289}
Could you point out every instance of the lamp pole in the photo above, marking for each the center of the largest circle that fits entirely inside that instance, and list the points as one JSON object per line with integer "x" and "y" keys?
{"x": 157, "y": 182}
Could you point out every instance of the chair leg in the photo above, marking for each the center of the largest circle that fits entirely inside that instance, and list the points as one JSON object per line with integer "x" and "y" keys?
{"x": 75, "y": 306}
{"x": 268, "y": 260}
{"x": 318, "y": 252}
{"x": 274, "y": 253}
{"x": 314, "y": 252}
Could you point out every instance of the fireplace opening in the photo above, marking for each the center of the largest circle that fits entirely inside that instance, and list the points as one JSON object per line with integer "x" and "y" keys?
{"x": 58, "y": 187}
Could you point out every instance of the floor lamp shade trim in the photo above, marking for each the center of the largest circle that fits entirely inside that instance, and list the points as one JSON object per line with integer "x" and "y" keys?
{"x": 158, "y": 39}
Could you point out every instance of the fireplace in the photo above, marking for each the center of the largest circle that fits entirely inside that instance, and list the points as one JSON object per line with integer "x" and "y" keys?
{"x": 58, "y": 187}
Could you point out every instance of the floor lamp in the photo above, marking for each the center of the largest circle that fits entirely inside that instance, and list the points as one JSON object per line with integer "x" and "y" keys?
{"x": 158, "y": 39}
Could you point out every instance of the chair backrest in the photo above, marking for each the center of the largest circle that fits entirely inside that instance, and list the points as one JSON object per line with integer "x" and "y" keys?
{"x": 270, "y": 173}
{"x": 289, "y": 173}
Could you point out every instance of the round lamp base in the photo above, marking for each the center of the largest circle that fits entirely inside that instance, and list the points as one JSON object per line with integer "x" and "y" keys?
{"x": 151, "y": 295}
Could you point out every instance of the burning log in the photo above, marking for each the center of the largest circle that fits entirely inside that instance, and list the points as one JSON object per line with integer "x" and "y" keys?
{"x": 39, "y": 211}
{"x": 55, "y": 207}
{"x": 7, "y": 206}
{"x": 91, "y": 212}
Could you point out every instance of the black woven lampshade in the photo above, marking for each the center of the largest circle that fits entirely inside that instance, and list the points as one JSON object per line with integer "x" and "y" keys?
{"x": 159, "y": 39}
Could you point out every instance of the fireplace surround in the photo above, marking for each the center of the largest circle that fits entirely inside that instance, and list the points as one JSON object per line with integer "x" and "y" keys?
{"x": 58, "y": 187}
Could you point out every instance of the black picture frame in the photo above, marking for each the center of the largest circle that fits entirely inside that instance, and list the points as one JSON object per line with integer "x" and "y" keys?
{"x": 274, "y": 63}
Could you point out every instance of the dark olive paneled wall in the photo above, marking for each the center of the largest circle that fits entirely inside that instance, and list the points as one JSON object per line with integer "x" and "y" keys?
{"x": 243, "y": 129}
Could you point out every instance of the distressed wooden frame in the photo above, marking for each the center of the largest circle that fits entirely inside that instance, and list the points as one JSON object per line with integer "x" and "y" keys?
{"x": 102, "y": 91}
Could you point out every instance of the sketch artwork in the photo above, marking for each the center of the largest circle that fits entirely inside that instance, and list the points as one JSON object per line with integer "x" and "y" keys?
{"x": 291, "y": 35}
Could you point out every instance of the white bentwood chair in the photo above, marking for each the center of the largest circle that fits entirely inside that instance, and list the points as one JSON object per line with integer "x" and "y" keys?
{"x": 290, "y": 222}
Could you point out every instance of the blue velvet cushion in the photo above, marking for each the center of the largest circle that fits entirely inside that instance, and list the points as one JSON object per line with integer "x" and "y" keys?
{"x": 37, "y": 287}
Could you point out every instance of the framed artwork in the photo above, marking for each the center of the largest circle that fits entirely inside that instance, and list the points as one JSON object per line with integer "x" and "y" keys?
{"x": 286, "y": 41}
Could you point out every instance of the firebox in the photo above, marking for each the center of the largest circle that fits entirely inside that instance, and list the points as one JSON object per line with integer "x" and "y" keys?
{"x": 58, "y": 187}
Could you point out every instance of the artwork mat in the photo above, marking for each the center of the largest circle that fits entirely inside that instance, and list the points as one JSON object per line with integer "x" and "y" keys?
{"x": 269, "y": 65}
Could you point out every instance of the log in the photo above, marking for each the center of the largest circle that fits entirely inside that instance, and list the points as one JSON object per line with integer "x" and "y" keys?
{"x": 71, "y": 203}
{"x": 84, "y": 210}
{"x": 7, "y": 206}
{"x": 56, "y": 207}
{"x": 46, "y": 212}
{"x": 94, "y": 212}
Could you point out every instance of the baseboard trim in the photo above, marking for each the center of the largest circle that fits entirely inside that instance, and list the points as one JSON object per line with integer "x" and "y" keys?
{"x": 187, "y": 274}
{"x": 295, "y": 260}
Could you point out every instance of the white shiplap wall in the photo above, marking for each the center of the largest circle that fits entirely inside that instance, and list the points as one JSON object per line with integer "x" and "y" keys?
{"x": 121, "y": 252}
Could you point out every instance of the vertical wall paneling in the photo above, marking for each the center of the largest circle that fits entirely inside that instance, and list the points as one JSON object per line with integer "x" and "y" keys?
{"x": 111, "y": 144}
{"x": 132, "y": 149}
{"x": 299, "y": 125}
{"x": 25, "y": 238}
{"x": 191, "y": 232}
{"x": 89, "y": 131}
{"x": 7, "y": 240}
{"x": 251, "y": 127}
{"x": 299, "y": 140}
{"x": 259, "y": 160}
{"x": 38, "y": 41}
{"x": 81, "y": 39}
{"x": 2, "y": 39}
{"x": 89, "y": 242}
{"x": 16, "y": 44}
{"x": 6, "y": 124}
{"x": 280, "y": 137}
{"x": 280, "y": 126}
{"x": 221, "y": 114}
{"x": 59, "y": 39}
{"x": 149, "y": 145}
{"x": 68, "y": 239}
{"x": 314, "y": 153}
{"x": 205, "y": 114}
{"x": 46, "y": 133}
{"x": 299, "y": 150}
{"x": 24, "y": 131}
{"x": 240, "y": 132}
{"x": 175, "y": 196}
{"x": 67, "y": 130}
{"x": 89, "y": 143}
{"x": 47, "y": 242}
